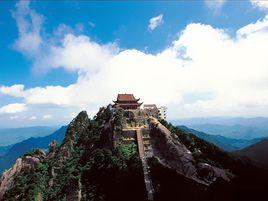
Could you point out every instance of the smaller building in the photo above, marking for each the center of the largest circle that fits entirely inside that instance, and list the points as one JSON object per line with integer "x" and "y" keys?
{"x": 127, "y": 102}
{"x": 149, "y": 106}
{"x": 162, "y": 112}
{"x": 151, "y": 110}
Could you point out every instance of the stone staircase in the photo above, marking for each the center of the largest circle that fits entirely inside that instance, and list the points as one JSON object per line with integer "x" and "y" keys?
{"x": 144, "y": 152}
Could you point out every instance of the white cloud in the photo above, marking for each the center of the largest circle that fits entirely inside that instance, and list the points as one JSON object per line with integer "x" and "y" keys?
{"x": 155, "y": 22}
{"x": 261, "y": 26}
{"x": 261, "y": 4}
{"x": 47, "y": 116}
{"x": 13, "y": 108}
{"x": 204, "y": 72}
{"x": 15, "y": 90}
{"x": 215, "y": 5}
{"x": 14, "y": 117}
{"x": 29, "y": 25}
{"x": 89, "y": 55}
{"x": 33, "y": 118}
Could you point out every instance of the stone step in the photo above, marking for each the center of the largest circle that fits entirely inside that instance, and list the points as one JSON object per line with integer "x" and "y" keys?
{"x": 147, "y": 177}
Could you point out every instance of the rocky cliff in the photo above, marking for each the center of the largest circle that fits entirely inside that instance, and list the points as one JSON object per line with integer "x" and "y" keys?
{"x": 26, "y": 163}
{"x": 171, "y": 152}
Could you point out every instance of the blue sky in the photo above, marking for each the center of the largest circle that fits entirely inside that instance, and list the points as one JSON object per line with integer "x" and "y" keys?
{"x": 44, "y": 59}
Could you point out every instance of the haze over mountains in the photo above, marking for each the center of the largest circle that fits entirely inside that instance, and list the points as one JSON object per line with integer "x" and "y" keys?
{"x": 9, "y": 136}
{"x": 12, "y": 152}
{"x": 225, "y": 143}
{"x": 237, "y": 128}
{"x": 228, "y": 121}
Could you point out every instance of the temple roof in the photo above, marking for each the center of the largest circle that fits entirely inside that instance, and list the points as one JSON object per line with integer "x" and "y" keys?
{"x": 126, "y": 98}
{"x": 127, "y": 101}
{"x": 130, "y": 104}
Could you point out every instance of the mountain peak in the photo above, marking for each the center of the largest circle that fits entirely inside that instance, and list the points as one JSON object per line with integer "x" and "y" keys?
{"x": 26, "y": 163}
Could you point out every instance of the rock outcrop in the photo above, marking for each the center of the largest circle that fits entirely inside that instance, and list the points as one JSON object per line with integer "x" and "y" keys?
{"x": 173, "y": 154}
{"x": 77, "y": 128}
{"x": 8, "y": 177}
{"x": 210, "y": 173}
{"x": 52, "y": 148}
{"x": 27, "y": 162}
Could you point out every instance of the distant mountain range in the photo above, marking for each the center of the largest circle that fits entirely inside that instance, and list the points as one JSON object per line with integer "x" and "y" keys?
{"x": 257, "y": 152}
{"x": 10, "y": 136}
{"x": 255, "y": 149}
{"x": 4, "y": 149}
{"x": 227, "y": 144}
{"x": 11, "y": 153}
{"x": 259, "y": 122}
{"x": 237, "y": 128}
{"x": 235, "y": 131}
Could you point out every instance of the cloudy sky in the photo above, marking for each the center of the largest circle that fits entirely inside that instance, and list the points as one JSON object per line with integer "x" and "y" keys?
{"x": 199, "y": 58}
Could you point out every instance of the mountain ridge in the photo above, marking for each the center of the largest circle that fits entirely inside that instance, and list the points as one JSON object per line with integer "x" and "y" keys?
{"x": 225, "y": 143}
{"x": 257, "y": 152}
{"x": 9, "y": 136}
{"x": 18, "y": 149}
{"x": 99, "y": 159}
{"x": 233, "y": 127}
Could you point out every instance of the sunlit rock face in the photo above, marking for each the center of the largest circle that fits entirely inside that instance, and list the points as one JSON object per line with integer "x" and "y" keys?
{"x": 27, "y": 163}
{"x": 172, "y": 153}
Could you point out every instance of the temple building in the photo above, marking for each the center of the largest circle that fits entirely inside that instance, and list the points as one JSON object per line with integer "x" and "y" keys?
{"x": 127, "y": 102}
{"x": 162, "y": 112}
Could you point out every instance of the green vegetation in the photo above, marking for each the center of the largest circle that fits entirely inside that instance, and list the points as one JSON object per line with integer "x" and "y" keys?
{"x": 33, "y": 152}
{"x": 111, "y": 176}
{"x": 118, "y": 119}
{"x": 29, "y": 184}
{"x": 104, "y": 114}
{"x": 127, "y": 151}
{"x": 103, "y": 174}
